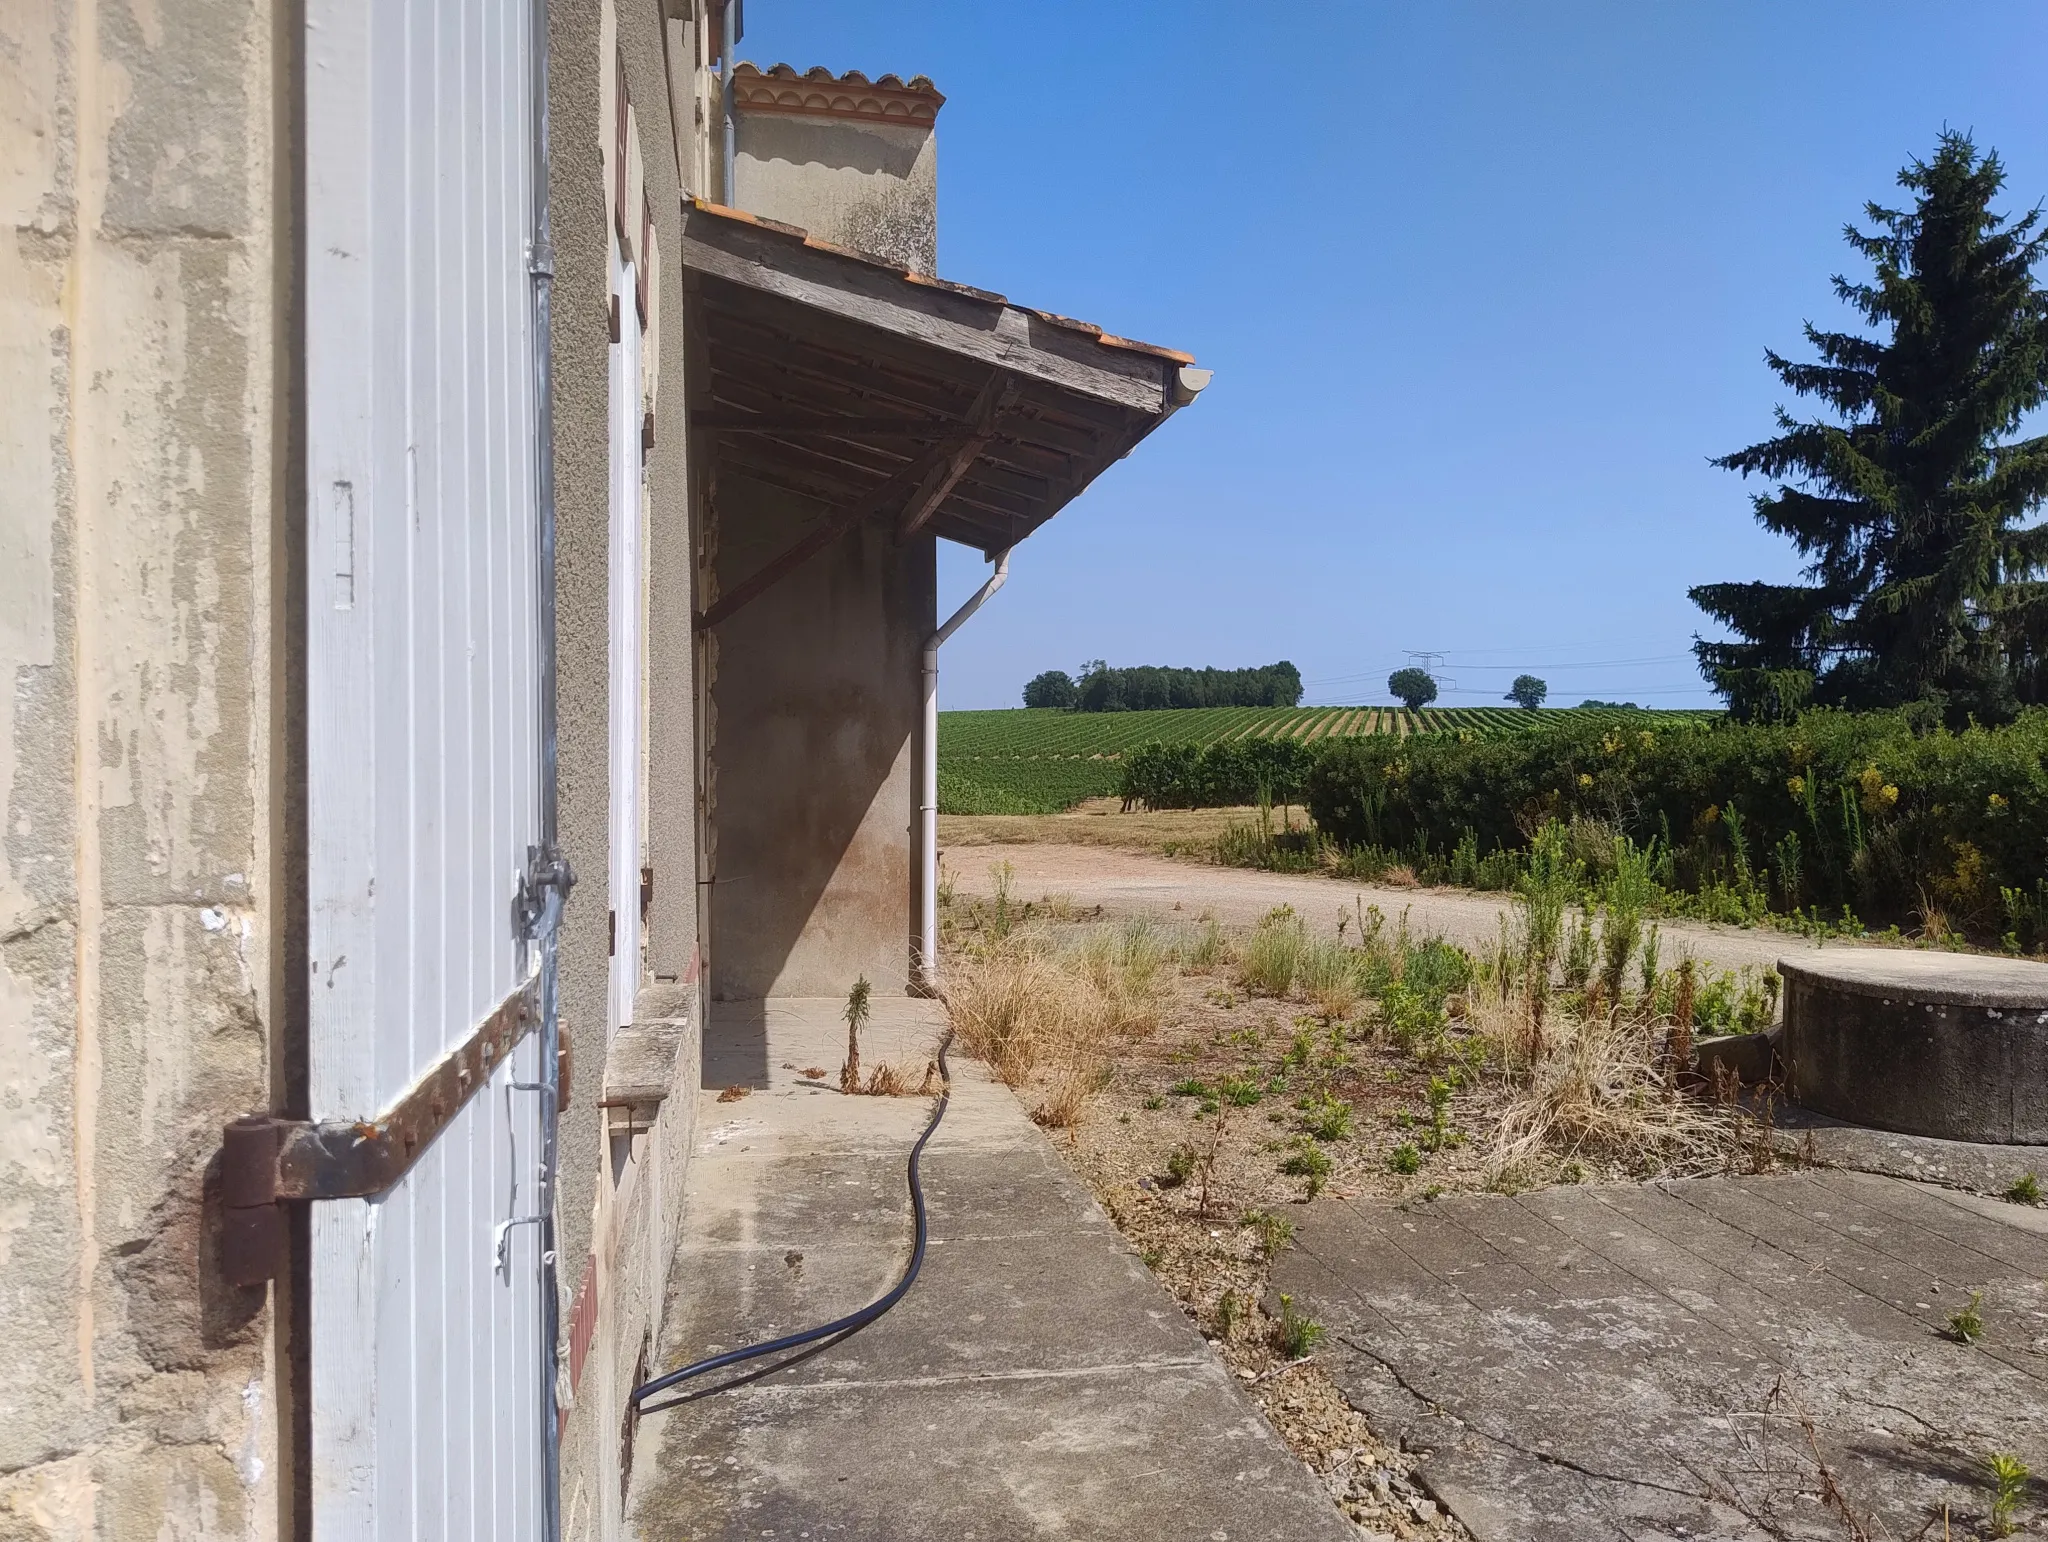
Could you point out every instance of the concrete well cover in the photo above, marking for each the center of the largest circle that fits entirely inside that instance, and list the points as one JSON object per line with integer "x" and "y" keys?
{"x": 1942, "y": 1044}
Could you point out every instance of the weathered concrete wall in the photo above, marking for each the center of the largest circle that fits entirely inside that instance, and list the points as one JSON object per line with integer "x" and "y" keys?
{"x": 817, "y": 704}
{"x": 579, "y": 62}
{"x": 139, "y": 499}
{"x": 872, "y": 186}
{"x": 614, "y": 1219}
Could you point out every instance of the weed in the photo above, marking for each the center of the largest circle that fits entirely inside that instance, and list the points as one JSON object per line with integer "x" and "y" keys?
{"x": 1968, "y": 1324}
{"x": 1240, "y": 1091}
{"x": 1440, "y": 1132}
{"x": 2008, "y": 1476}
{"x": 1204, "y": 950}
{"x": 1151, "y": 1258}
{"x": 1180, "y": 1166}
{"x": 856, "y": 1016}
{"x": 1189, "y": 1087}
{"x": 1310, "y": 1161}
{"x": 1155, "y": 1102}
{"x": 1274, "y": 1232}
{"x": 1572, "y": 1172}
{"x": 1327, "y": 1118}
{"x": 1271, "y": 956}
{"x": 1295, "y": 1334}
{"x": 1405, "y": 1159}
{"x": 1208, "y": 1107}
{"x": 2026, "y": 1190}
{"x": 1301, "y": 1051}
{"x": 1229, "y": 1311}
{"x": 886, "y": 1081}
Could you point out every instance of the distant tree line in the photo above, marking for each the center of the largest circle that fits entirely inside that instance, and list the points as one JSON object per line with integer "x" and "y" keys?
{"x": 1146, "y": 687}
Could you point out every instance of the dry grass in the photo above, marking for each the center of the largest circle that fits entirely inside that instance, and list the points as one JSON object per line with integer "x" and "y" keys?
{"x": 1594, "y": 1092}
{"x": 1097, "y": 822}
{"x": 1037, "y": 1008}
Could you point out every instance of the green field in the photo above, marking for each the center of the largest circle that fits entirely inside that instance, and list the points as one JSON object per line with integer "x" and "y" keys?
{"x": 1023, "y": 760}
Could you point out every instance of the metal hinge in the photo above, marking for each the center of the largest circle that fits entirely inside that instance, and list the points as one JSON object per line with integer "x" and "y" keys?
{"x": 547, "y": 871}
{"x": 268, "y": 1162}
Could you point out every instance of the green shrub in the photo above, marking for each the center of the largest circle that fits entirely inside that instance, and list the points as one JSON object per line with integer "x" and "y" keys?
{"x": 1834, "y": 809}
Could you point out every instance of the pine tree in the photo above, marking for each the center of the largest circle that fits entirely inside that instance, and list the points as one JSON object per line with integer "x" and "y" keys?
{"x": 1911, "y": 508}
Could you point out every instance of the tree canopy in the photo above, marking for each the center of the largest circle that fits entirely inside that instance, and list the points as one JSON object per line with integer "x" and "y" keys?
{"x": 1528, "y": 691}
{"x": 1412, "y": 687}
{"x": 1908, "y": 499}
{"x": 1054, "y": 688}
{"x": 1147, "y": 687}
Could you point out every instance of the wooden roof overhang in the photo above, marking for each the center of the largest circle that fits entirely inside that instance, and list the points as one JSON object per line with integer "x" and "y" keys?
{"x": 885, "y": 394}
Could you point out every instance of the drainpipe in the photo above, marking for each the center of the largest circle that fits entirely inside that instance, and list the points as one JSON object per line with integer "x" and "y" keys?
{"x": 928, "y": 807}
{"x": 728, "y": 45}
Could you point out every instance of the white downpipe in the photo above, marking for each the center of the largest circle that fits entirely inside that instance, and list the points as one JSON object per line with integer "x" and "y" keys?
{"x": 928, "y": 805}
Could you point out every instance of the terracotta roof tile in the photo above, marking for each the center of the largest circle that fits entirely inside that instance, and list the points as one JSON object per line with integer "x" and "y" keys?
{"x": 819, "y": 92}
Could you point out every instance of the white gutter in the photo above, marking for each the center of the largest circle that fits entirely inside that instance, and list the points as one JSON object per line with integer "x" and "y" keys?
{"x": 928, "y": 807}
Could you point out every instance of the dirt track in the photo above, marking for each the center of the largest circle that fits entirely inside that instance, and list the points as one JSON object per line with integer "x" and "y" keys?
{"x": 1132, "y": 883}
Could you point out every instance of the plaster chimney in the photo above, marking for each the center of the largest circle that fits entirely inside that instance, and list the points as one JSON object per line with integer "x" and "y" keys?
{"x": 852, "y": 161}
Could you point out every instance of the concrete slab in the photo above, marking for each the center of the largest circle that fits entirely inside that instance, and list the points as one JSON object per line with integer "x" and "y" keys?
{"x": 1036, "y": 1383}
{"x": 1979, "y": 1166}
{"x": 1637, "y": 1362}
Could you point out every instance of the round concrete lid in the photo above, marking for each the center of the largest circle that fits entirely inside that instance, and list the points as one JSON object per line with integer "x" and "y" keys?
{"x": 1964, "y": 979}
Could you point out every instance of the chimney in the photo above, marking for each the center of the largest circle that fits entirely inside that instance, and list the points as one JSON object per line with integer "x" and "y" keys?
{"x": 852, "y": 161}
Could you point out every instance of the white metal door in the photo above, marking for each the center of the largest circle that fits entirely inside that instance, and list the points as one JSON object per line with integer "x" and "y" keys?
{"x": 429, "y": 1359}
{"x": 626, "y": 591}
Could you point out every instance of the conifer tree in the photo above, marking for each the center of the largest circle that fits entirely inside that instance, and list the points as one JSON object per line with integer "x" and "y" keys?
{"x": 1912, "y": 505}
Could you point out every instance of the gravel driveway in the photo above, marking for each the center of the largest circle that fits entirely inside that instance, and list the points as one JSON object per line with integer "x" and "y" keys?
{"x": 1131, "y": 883}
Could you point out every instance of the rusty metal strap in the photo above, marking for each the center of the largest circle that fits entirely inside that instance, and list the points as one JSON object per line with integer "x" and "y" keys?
{"x": 266, "y": 1160}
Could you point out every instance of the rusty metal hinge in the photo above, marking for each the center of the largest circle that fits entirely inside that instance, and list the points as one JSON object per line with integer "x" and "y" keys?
{"x": 267, "y": 1162}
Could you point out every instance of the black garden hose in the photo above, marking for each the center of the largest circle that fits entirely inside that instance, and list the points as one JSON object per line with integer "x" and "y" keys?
{"x": 839, "y": 1326}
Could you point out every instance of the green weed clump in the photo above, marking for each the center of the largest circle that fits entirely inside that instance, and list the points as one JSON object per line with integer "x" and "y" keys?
{"x": 1295, "y": 1334}
{"x": 1308, "y": 1160}
{"x": 1968, "y": 1324}
{"x": 2009, "y": 1477}
{"x": 1273, "y": 1232}
{"x": 2026, "y": 1190}
{"x": 1326, "y": 1118}
{"x": 1405, "y": 1159}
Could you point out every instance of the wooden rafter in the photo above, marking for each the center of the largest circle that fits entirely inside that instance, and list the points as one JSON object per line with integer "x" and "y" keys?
{"x": 998, "y": 395}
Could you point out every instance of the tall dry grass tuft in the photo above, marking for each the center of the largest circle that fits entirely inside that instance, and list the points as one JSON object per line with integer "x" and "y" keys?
{"x": 1049, "y": 1018}
{"x": 1591, "y": 1089}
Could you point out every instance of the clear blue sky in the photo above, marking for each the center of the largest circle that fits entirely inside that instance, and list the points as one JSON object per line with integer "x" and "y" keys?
{"x": 1484, "y": 285}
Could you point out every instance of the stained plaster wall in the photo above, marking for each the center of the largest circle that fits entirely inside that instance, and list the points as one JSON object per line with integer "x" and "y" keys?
{"x": 816, "y": 700}
{"x": 140, "y": 489}
{"x": 617, "y": 1223}
{"x": 870, "y": 185}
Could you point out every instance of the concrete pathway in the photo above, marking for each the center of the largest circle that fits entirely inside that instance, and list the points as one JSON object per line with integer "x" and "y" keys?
{"x": 1601, "y": 1362}
{"x": 1131, "y": 883}
{"x": 1035, "y": 1383}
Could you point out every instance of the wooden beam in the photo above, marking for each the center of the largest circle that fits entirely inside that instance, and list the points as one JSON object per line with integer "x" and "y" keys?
{"x": 828, "y": 530}
{"x": 996, "y": 336}
{"x": 816, "y": 424}
{"x": 996, "y": 397}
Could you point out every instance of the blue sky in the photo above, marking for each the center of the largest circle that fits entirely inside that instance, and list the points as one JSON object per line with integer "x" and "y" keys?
{"x": 1484, "y": 285}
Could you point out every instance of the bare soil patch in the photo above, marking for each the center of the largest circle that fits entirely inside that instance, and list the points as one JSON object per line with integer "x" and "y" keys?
{"x": 1098, "y": 822}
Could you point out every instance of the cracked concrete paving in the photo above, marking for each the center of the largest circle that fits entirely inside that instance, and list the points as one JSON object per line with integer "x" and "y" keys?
{"x": 1601, "y": 1361}
{"x": 1035, "y": 1383}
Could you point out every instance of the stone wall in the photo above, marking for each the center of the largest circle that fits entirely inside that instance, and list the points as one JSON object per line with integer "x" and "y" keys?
{"x": 141, "y": 286}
